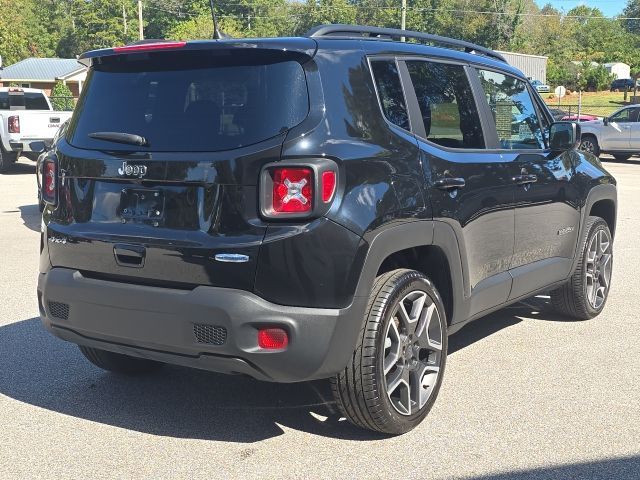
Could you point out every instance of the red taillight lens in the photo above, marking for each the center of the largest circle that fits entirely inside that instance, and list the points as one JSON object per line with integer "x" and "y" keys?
{"x": 273, "y": 338}
{"x": 14, "y": 124}
{"x": 292, "y": 190}
{"x": 328, "y": 185}
{"x": 145, "y": 47}
{"x": 49, "y": 182}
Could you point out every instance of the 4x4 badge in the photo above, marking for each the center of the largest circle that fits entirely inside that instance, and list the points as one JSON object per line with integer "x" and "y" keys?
{"x": 127, "y": 170}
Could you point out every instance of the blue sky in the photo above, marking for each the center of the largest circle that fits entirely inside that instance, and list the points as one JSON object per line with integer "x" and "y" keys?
{"x": 608, "y": 7}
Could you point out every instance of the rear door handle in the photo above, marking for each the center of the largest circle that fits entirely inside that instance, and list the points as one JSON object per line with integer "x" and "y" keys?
{"x": 525, "y": 179}
{"x": 449, "y": 183}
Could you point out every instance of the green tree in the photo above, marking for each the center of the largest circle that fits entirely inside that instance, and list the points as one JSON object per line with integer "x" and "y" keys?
{"x": 61, "y": 97}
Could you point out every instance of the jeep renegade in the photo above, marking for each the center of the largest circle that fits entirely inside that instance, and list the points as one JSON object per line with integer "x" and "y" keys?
{"x": 330, "y": 206}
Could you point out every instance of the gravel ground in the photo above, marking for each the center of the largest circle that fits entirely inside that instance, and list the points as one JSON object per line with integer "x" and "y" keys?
{"x": 526, "y": 395}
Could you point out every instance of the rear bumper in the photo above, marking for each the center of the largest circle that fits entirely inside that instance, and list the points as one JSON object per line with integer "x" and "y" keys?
{"x": 158, "y": 323}
{"x": 24, "y": 144}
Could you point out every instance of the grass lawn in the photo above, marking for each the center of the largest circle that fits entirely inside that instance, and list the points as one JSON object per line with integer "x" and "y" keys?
{"x": 597, "y": 103}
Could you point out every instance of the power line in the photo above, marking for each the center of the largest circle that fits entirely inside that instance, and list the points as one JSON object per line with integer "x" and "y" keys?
{"x": 387, "y": 7}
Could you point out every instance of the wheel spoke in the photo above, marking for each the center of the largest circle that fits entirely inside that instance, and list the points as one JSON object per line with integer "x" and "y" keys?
{"x": 399, "y": 388}
{"x": 391, "y": 347}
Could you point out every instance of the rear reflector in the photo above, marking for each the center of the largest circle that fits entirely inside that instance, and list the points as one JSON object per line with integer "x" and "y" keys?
{"x": 145, "y": 47}
{"x": 272, "y": 338}
{"x": 14, "y": 124}
{"x": 292, "y": 190}
{"x": 328, "y": 185}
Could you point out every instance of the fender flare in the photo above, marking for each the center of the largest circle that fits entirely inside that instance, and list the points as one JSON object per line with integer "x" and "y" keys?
{"x": 413, "y": 234}
{"x": 603, "y": 191}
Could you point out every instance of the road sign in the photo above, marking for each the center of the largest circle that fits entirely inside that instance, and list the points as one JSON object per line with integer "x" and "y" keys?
{"x": 560, "y": 91}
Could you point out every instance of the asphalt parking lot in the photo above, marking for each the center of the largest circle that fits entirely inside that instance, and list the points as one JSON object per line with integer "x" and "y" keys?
{"x": 526, "y": 395}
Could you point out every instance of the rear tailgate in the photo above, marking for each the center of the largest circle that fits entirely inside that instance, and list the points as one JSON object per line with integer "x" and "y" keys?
{"x": 38, "y": 124}
{"x": 182, "y": 209}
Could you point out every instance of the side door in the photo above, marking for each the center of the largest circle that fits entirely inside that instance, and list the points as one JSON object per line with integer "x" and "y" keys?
{"x": 470, "y": 187}
{"x": 634, "y": 129}
{"x": 547, "y": 208}
{"x": 616, "y": 135}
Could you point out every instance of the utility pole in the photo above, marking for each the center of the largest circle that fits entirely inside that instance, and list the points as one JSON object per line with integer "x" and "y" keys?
{"x": 403, "y": 17}
{"x": 140, "y": 25}
{"x": 124, "y": 19}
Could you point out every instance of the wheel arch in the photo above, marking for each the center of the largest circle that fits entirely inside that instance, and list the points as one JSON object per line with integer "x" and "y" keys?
{"x": 421, "y": 246}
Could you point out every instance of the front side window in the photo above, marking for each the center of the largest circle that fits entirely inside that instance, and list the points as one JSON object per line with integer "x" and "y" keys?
{"x": 513, "y": 111}
{"x": 446, "y": 104}
{"x": 625, "y": 116}
{"x": 385, "y": 74}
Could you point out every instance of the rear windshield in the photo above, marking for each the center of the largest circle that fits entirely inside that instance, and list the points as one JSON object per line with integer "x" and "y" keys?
{"x": 190, "y": 102}
{"x": 23, "y": 101}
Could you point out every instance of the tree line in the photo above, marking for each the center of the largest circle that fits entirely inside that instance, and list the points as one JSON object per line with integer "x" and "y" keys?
{"x": 66, "y": 28}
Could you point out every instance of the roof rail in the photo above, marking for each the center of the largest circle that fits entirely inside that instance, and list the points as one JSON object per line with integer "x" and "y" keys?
{"x": 351, "y": 31}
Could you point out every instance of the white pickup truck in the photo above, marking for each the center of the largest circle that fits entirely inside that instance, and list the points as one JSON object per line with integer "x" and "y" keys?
{"x": 26, "y": 116}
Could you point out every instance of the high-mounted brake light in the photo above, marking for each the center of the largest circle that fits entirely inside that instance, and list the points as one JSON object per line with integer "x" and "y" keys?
{"x": 145, "y": 47}
{"x": 15, "y": 90}
{"x": 49, "y": 181}
{"x": 272, "y": 338}
{"x": 13, "y": 123}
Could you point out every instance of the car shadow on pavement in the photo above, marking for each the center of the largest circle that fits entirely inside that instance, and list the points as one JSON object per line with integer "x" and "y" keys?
{"x": 624, "y": 468}
{"x": 41, "y": 370}
{"x": 31, "y": 216}
{"x": 22, "y": 168}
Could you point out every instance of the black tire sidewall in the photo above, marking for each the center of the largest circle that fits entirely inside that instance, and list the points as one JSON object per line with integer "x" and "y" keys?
{"x": 411, "y": 281}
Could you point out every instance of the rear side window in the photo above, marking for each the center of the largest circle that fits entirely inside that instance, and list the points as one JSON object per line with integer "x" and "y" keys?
{"x": 385, "y": 73}
{"x": 446, "y": 104}
{"x": 513, "y": 111}
{"x": 190, "y": 103}
{"x": 23, "y": 101}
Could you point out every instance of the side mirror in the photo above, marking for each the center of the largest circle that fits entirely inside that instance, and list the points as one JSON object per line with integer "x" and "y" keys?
{"x": 38, "y": 146}
{"x": 564, "y": 136}
{"x": 605, "y": 121}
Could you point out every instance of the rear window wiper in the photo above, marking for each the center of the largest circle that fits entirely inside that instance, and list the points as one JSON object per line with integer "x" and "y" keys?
{"x": 120, "y": 137}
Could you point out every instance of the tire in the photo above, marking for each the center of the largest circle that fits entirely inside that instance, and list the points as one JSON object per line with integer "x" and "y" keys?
{"x": 622, "y": 158}
{"x": 118, "y": 363}
{"x": 412, "y": 351}
{"x": 589, "y": 143}
{"x": 6, "y": 159}
{"x": 585, "y": 294}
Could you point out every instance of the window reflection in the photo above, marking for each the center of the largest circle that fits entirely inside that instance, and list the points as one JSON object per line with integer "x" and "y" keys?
{"x": 513, "y": 111}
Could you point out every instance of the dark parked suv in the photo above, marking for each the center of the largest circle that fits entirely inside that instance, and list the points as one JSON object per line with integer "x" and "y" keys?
{"x": 622, "y": 84}
{"x": 331, "y": 206}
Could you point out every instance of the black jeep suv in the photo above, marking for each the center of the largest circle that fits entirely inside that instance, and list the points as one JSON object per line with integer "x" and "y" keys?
{"x": 331, "y": 206}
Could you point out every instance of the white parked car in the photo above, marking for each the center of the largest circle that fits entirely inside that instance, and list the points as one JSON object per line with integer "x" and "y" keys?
{"x": 540, "y": 87}
{"x": 618, "y": 134}
{"x": 26, "y": 118}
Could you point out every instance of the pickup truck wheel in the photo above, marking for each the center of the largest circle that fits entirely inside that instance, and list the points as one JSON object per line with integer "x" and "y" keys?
{"x": 394, "y": 375}
{"x": 585, "y": 295}
{"x": 589, "y": 143}
{"x": 118, "y": 363}
{"x": 6, "y": 159}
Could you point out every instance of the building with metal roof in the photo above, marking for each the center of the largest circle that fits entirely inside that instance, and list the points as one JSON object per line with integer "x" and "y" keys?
{"x": 44, "y": 73}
